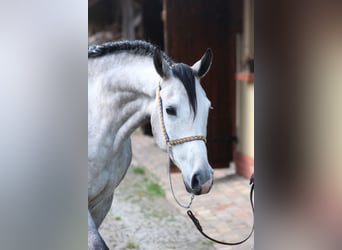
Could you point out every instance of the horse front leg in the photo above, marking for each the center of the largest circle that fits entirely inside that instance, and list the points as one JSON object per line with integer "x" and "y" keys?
{"x": 95, "y": 241}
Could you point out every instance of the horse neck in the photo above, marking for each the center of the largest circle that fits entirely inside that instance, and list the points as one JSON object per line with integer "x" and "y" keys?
{"x": 122, "y": 94}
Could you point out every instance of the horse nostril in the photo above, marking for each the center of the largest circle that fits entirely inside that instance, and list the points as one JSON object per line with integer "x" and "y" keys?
{"x": 195, "y": 182}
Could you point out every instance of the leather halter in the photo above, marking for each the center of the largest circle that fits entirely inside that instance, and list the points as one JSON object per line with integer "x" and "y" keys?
{"x": 174, "y": 142}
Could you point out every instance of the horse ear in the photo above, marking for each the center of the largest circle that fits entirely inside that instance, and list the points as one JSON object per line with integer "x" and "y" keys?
{"x": 161, "y": 66}
{"x": 202, "y": 66}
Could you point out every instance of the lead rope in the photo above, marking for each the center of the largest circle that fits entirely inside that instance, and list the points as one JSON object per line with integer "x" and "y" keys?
{"x": 199, "y": 227}
{"x": 173, "y": 194}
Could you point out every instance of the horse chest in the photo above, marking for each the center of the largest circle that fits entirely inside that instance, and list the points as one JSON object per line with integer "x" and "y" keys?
{"x": 106, "y": 169}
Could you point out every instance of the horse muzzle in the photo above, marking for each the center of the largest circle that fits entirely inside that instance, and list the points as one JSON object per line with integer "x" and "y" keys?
{"x": 206, "y": 187}
{"x": 198, "y": 186}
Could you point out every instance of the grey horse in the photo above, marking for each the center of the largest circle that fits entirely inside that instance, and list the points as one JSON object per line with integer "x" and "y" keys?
{"x": 127, "y": 81}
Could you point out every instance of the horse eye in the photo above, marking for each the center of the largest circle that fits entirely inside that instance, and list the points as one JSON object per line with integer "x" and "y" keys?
{"x": 171, "y": 111}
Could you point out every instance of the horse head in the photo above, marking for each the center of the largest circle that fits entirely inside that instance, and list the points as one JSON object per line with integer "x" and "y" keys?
{"x": 179, "y": 119}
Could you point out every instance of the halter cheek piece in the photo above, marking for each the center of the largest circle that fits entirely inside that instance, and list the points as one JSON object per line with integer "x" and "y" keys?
{"x": 174, "y": 142}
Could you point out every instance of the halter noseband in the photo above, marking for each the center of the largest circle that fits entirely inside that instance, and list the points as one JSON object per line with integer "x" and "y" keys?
{"x": 174, "y": 142}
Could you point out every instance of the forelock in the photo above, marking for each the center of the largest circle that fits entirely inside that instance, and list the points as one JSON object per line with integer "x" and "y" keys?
{"x": 186, "y": 75}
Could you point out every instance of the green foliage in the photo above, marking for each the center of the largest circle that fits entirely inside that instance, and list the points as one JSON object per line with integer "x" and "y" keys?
{"x": 131, "y": 245}
{"x": 154, "y": 189}
{"x": 210, "y": 243}
{"x": 139, "y": 170}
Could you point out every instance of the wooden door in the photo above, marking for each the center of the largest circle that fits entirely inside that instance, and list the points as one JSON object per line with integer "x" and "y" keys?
{"x": 192, "y": 26}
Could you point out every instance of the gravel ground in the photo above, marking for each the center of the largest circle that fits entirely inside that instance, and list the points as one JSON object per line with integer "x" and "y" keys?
{"x": 142, "y": 218}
